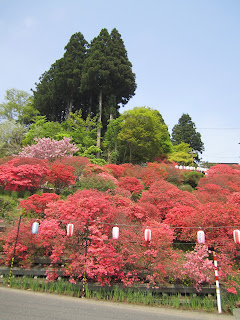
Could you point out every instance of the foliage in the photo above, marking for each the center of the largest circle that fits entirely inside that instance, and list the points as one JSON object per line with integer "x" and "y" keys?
{"x": 11, "y": 137}
{"x": 18, "y": 107}
{"x": 46, "y": 148}
{"x": 41, "y": 128}
{"x": 175, "y": 176}
{"x": 95, "y": 182}
{"x": 182, "y": 154}
{"x": 7, "y": 204}
{"x": 192, "y": 178}
{"x": 82, "y": 131}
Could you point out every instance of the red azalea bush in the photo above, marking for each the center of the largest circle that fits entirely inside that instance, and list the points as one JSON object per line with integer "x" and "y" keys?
{"x": 61, "y": 176}
{"x": 152, "y": 173}
{"x": 21, "y": 174}
{"x": 166, "y": 196}
{"x": 36, "y": 204}
{"x": 116, "y": 170}
{"x": 131, "y": 184}
{"x": 78, "y": 163}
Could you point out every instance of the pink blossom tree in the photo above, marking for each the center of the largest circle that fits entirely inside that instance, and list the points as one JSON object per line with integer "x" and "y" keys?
{"x": 50, "y": 149}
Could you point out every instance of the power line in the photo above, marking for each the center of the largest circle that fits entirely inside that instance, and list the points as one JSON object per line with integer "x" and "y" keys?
{"x": 218, "y": 128}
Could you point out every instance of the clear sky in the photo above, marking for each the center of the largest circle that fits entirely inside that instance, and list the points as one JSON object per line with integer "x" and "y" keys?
{"x": 185, "y": 54}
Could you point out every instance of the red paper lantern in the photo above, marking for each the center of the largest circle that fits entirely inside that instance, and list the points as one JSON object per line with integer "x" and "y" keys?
{"x": 236, "y": 236}
{"x": 147, "y": 235}
{"x": 35, "y": 227}
{"x": 201, "y": 237}
{"x": 70, "y": 229}
{"x": 115, "y": 233}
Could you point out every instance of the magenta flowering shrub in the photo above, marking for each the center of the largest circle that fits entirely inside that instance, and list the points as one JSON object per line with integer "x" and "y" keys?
{"x": 197, "y": 268}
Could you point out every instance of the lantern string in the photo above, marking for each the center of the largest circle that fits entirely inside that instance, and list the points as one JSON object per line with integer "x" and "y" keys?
{"x": 169, "y": 226}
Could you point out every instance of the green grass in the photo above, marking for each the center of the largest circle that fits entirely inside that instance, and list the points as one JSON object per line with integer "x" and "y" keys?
{"x": 118, "y": 293}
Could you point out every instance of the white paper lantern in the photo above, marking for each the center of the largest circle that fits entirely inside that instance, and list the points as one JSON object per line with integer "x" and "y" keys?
{"x": 35, "y": 227}
{"x": 115, "y": 233}
{"x": 236, "y": 236}
{"x": 147, "y": 235}
{"x": 70, "y": 229}
{"x": 201, "y": 237}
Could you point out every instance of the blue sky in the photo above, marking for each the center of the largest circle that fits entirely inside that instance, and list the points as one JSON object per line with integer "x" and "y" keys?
{"x": 185, "y": 54}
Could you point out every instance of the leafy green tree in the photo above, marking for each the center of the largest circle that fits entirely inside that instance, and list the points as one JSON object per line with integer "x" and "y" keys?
{"x": 18, "y": 106}
{"x": 111, "y": 142}
{"x": 185, "y": 131}
{"x": 58, "y": 94}
{"x": 144, "y": 135}
{"x": 11, "y": 136}
{"x": 41, "y": 128}
{"x": 83, "y": 132}
{"x": 182, "y": 154}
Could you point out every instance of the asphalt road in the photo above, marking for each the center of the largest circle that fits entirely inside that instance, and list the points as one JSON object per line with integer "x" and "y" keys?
{"x": 26, "y": 305}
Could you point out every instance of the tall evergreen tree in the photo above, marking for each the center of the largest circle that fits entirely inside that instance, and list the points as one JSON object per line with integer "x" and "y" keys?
{"x": 58, "y": 92}
{"x": 107, "y": 76}
{"x": 124, "y": 84}
{"x": 96, "y": 73}
{"x": 185, "y": 131}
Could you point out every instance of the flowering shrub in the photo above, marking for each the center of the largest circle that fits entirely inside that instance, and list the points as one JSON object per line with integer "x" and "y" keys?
{"x": 107, "y": 176}
{"x": 36, "y": 204}
{"x": 170, "y": 213}
{"x": 61, "y": 176}
{"x": 131, "y": 184}
{"x": 196, "y": 267}
{"x": 78, "y": 163}
{"x": 152, "y": 173}
{"x": 16, "y": 176}
{"x": 45, "y": 148}
{"x": 166, "y": 196}
{"x": 116, "y": 170}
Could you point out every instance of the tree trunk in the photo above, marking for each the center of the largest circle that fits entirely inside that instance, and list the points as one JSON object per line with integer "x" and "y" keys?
{"x": 109, "y": 151}
{"x": 90, "y": 106}
{"x": 99, "y": 122}
{"x": 69, "y": 108}
{"x": 130, "y": 153}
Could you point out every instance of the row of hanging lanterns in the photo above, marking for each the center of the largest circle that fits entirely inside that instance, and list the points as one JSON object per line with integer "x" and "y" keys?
{"x": 201, "y": 236}
{"x": 147, "y": 233}
{"x": 115, "y": 231}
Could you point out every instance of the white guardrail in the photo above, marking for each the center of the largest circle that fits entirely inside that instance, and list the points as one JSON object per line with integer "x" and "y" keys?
{"x": 200, "y": 169}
